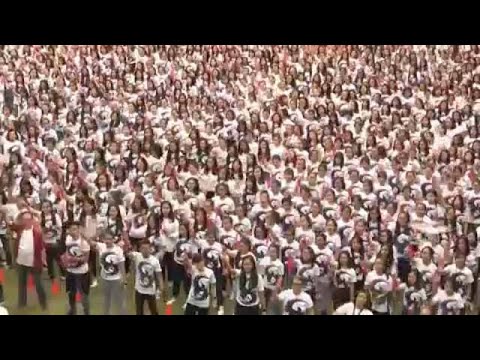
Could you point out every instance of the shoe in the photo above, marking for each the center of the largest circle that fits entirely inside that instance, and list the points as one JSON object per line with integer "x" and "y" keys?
{"x": 220, "y": 310}
{"x": 171, "y": 301}
{"x": 94, "y": 283}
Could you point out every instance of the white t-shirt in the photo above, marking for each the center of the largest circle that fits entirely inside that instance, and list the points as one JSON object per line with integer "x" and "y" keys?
{"x": 212, "y": 254}
{"x": 76, "y": 248}
{"x": 272, "y": 271}
{"x": 426, "y": 273}
{"x": 295, "y": 304}
{"x": 110, "y": 258}
{"x": 248, "y": 295}
{"x": 308, "y": 273}
{"x": 345, "y": 277}
{"x": 350, "y": 309}
{"x": 145, "y": 271}
{"x": 26, "y": 249}
{"x": 461, "y": 278}
{"x": 447, "y": 304}
{"x": 380, "y": 286}
{"x": 199, "y": 294}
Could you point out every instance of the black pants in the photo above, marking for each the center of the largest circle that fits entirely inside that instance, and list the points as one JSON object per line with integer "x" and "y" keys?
{"x": 195, "y": 310}
{"x": 247, "y": 310}
{"x": 92, "y": 263}
{"x": 23, "y": 272}
{"x": 403, "y": 268}
{"x": 167, "y": 266}
{"x": 340, "y": 296}
{"x": 220, "y": 283}
{"x": 180, "y": 276}
{"x": 78, "y": 283}
{"x": 53, "y": 255}
{"x": 7, "y": 249}
{"x": 140, "y": 301}
{"x": 379, "y": 313}
{"x": 2, "y": 298}
{"x": 359, "y": 285}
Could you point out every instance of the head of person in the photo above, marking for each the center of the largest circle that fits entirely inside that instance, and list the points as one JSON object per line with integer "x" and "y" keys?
{"x": 198, "y": 262}
{"x": 74, "y": 230}
{"x": 248, "y": 265}
{"x": 145, "y": 248}
{"x": 297, "y": 285}
{"x": 27, "y": 219}
{"x": 108, "y": 239}
{"x": 361, "y": 300}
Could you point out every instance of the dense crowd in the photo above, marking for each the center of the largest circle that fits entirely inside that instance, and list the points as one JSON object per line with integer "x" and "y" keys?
{"x": 283, "y": 179}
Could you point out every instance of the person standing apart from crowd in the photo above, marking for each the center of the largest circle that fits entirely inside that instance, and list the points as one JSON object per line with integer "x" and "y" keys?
{"x": 75, "y": 259}
{"x": 30, "y": 255}
{"x": 112, "y": 263}
{"x": 148, "y": 273}
{"x": 203, "y": 288}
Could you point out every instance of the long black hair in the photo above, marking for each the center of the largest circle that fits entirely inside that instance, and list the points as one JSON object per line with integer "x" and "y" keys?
{"x": 253, "y": 275}
{"x": 171, "y": 215}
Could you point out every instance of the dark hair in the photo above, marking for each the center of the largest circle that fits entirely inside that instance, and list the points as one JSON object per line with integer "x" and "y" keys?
{"x": 350, "y": 260}
{"x": 253, "y": 275}
{"x": 171, "y": 214}
{"x": 197, "y": 258}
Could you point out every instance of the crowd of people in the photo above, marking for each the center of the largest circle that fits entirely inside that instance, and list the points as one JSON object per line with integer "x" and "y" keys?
{"x": 283, "y": 179}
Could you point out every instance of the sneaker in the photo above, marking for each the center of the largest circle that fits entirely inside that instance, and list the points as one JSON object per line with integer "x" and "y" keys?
{"x": 94, "y": 283}
{"x": 171, "y": 301}
{"x": 220, "y": 310}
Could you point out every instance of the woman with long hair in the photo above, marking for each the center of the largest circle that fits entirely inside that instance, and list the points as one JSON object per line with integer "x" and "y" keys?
{"x": 344, "y": 280}
{"x": 414, "y": 297}
{"x": 249, "y": 289}
{"x": 169, "y": 228}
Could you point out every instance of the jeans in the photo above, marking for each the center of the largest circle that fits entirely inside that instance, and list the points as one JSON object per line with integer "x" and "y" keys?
{"x": 53, "y": 255}
{"x": 140, "y": 301}
{"x": 23, "y": 272}
{"x": 195, "y": 310}
{"x": 78, "y": 283}
{"x": 179, "y": 275}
